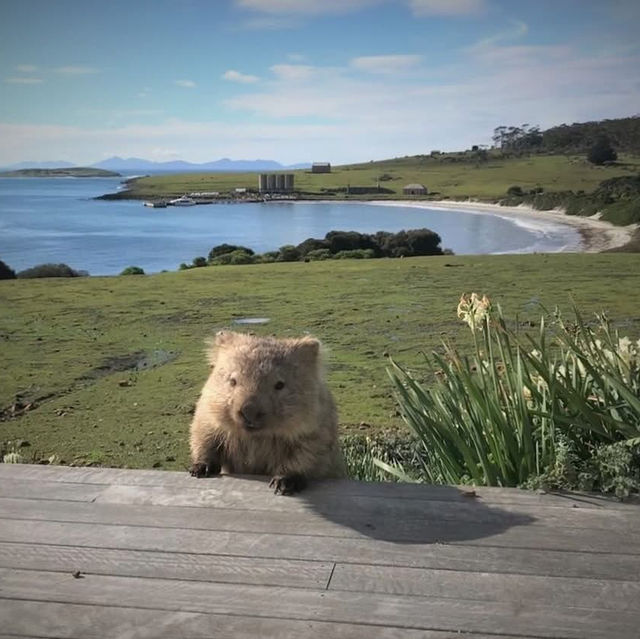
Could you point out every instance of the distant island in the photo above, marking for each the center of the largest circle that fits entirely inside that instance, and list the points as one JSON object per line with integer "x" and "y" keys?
{"x": 74, "y": 171}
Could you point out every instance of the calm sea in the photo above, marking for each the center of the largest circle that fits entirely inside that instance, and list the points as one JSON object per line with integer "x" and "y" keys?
{"x": 56, "y": 220}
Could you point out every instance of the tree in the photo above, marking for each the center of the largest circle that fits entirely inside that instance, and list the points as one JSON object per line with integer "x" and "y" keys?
{"x": 602, "y": 152}
{"x": 6, "y": 273}
{"x": 221, "y": 249}
{"x": 132, "y": 270}
{"x": 48, "y": 270}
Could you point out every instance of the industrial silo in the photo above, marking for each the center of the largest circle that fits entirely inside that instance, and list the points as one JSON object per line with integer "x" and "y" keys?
{"x": 288, "y": 182}
{"x": 262, "y": 182}
{"x": 271, "y": 182}
{"x": 280, "y": 182}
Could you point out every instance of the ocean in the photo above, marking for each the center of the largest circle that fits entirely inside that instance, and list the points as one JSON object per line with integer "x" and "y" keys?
{"x": 54, "y": 220}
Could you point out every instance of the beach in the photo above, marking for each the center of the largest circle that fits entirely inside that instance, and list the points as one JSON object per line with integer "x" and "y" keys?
{"x": 596, "y": 235}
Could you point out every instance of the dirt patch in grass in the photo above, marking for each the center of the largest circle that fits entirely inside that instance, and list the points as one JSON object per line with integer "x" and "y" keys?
{"x": 138, "y": 361}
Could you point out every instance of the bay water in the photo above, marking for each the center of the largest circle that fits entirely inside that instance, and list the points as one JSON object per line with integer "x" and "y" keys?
{"x": 54, "y": 220}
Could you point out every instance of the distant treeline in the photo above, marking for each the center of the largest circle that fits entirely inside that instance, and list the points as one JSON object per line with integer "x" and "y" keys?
{"x": 335, "y": 245}
{"x": 622, "y": 133}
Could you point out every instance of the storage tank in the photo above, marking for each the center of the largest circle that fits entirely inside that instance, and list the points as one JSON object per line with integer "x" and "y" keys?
{"x": 279, "y": 182}
{"x": 288, "y": 182}
{"x": 271, "y": 182}
{"x": 262, "y": 182}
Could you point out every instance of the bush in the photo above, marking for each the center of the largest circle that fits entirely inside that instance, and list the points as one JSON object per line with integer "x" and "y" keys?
{"x": 338, "y": 241}
{"x": 6, "y": 273}
{"x": 523, "y": 409}
{"x": 602, "y": 152}
{"x": 223, "y": 249}
{"x": 239, "y": 256}
{"x": 132, "y": 270}
{"x": 311, "y": 244}
{"x": 356, "y": 254}
{"x": 199, "y": 262}
{"x": 48, "y": 270}
{"x": 288, "y": 253}
{"x": 515, "y": 191}
{"x": 318, "y": 255}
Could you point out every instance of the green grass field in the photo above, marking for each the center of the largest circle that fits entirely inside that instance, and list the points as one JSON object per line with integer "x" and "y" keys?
{"x": 464, "y": 177}
{"x": 112, "y": 366}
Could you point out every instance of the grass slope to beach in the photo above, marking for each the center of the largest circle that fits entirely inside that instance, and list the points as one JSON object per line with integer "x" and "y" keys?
{"x": 107, "y": 370}
{"x": 456, "y": 175}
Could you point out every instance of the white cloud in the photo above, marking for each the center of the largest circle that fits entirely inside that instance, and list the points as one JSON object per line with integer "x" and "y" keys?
{"x": 447, "y": 7}
{"x": 186, "y": 84}
{"x": 386, "y": 64}
{"x": 23, "y": 80}
{"x": 26, "y": 68}
{"x": 76, "y": 70}
{"x": 242, "y": 78}
{"x": 293, "y": 72}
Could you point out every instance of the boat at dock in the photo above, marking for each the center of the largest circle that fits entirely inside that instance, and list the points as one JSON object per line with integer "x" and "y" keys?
{"x": 156, "y": 205}
{"x": 183, "y": 201}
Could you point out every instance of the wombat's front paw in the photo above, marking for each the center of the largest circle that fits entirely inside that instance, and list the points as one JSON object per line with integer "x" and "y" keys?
{"x": 287, "y": 484}
{"x": 200, "y": 469}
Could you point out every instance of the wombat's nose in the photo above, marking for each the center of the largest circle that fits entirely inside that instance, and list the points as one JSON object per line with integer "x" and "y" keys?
{"x": 251, "y": 415}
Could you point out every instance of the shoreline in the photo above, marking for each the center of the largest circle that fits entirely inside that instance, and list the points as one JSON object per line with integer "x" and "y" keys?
{"x": 596, "y": 235}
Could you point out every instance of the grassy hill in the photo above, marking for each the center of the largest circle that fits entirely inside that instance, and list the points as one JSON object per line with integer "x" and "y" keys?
{"x": 454, "y": 175}
{"x": 107, "y": 370}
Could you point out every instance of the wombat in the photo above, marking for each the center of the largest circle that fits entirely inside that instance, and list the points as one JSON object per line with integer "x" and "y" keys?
{"x": 266, "y": 410}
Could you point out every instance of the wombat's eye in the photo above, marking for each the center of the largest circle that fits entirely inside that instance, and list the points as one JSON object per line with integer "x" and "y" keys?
{"x": 279, "y": 385}
{"x": 232, "y": 381}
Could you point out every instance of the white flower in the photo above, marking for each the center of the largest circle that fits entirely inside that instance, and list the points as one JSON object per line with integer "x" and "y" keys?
{"x": 474, "y": 310}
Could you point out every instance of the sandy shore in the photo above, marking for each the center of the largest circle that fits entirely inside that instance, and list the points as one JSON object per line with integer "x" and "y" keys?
{"x": 596, "y": 235}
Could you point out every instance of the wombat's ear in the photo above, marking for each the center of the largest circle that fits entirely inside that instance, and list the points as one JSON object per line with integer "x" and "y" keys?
{"x": 223, "y": 338}
{"x": 308, "y": 348}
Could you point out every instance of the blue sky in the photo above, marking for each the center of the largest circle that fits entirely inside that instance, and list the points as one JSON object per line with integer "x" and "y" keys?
{"x": 303, "y": 80}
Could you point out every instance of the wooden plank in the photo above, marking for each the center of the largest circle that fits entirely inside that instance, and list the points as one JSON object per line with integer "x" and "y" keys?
{"x": 327, "y": 549}
{"x": 378, "y": 508}
{"x": 389, "y": 518}
{"x": 47, "y": 490}
{"x": 177, "y": 565}
{"x": 486, "y": 586}
{"x": 421, "y": 492}
{"x": 419, "y": 613}
{"x": 72, "y": 621}
{"x": 413, "y": 531}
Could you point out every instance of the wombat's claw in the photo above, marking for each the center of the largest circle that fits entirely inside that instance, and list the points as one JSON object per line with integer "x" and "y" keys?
{"x": 201, "y": 469}
{"x": 287, "y": 484}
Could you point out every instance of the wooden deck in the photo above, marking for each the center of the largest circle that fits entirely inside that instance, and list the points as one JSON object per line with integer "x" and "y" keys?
{"x": 88, "y": 552}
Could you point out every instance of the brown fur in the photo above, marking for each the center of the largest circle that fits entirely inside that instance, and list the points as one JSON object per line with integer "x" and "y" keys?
{"x": 266, "y": 410}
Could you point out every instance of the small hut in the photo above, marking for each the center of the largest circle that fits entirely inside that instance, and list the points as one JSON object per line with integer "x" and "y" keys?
{"x": 415, "y": 189}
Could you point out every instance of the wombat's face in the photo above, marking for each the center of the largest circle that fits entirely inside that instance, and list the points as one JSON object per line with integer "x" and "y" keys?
{"x": 262, "y": 385}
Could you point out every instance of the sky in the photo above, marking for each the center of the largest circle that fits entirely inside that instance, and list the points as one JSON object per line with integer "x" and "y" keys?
{"x": 303, "y": 80}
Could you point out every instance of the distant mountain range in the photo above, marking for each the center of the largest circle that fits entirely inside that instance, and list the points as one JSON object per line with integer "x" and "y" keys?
{"x": 140, "y": 164}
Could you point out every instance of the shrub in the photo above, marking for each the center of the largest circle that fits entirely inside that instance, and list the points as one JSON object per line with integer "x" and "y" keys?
{"x": 523, "y": 407}
{"x": 132, "y": 270}
{"x": 515, "y": 191}
{"x": 223, "y": 249}
{"x": 199, "y": 262}
{"x": 48, "y": 270}
{"x": 311, "y": 244}
{"x": 348, "y": 241}
{"x": 356, "y": 254}
{"x": 318, "y": 255}
{"x": 602, "y": 152}
{"x": 288, "y": 253}
{"x": 239, "y": 256}
{"x": 6, "y": 273}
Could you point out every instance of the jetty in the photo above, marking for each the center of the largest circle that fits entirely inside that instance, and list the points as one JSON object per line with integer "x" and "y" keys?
{"x": 112, "y": 553}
